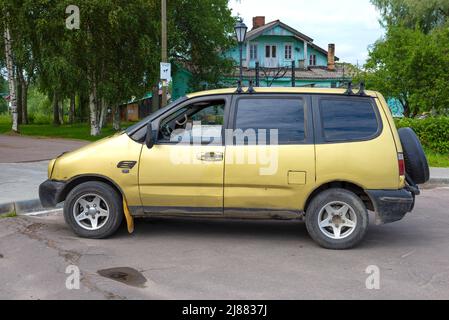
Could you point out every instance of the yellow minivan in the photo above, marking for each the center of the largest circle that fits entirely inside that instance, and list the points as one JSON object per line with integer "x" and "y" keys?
{"x": 327, "y": 156}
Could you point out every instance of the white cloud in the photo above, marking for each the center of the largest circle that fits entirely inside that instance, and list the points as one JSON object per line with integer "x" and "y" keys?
{"x": 352, "y": 25}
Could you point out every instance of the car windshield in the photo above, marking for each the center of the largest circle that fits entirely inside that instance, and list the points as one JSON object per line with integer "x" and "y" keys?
{"x": 156, "y": 114}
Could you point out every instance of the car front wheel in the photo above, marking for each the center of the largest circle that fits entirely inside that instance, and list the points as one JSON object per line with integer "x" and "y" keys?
{"x": 337, "y": 219}
{"x": 93, "y": 210}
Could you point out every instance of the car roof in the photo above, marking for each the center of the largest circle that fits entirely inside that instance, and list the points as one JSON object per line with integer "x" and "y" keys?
{"x": 303, "y": 90}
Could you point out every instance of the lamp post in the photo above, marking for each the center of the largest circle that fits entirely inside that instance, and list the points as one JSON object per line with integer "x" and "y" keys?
{"x": 240, "y": 31}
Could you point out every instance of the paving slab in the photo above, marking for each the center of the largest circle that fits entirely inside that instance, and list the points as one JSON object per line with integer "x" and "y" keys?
{"x": 20, "y": 181}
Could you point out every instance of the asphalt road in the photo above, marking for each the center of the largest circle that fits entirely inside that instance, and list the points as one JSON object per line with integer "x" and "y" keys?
{"x": 210, "y": 259}
{"x": 15, "y": 149}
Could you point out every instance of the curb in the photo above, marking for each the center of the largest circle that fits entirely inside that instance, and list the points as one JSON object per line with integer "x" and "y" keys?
{"x": 26, "y": 208}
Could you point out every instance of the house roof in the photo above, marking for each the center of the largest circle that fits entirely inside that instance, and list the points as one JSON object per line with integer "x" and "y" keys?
{"x": 253, "y": 34}
{"x": 259, "y": 31}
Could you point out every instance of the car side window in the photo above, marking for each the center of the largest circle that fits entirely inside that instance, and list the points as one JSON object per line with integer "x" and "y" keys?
{"x": 281, "y": 116}
{"x": 198, "y": 123}
{"x": 348, "y": 119}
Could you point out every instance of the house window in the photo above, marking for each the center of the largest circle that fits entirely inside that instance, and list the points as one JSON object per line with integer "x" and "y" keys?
{"x": 270, "y": 51}
{"x": 288, "y": 51}
{"x": 312, "y": 60}
{"x": 253, "y": 51}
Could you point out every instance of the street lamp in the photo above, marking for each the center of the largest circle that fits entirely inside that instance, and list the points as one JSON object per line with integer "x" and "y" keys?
{"x": 240, "y": 31}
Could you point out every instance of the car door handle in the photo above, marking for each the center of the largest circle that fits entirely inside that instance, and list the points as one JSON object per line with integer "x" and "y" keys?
{"x": 211, "y": 156}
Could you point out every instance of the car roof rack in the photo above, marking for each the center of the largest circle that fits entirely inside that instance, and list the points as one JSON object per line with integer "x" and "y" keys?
{"x": 362, "y": 92}
{"x": 251, "y": 87}
{"x": 349, "y": 91}
{"x": 239, "y": 87}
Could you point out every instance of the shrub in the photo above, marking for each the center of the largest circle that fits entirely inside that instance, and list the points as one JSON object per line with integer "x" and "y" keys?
{"x": 5, "y": 118}
{"x": 40, "y": 118}
{"x": 433, "y": 132}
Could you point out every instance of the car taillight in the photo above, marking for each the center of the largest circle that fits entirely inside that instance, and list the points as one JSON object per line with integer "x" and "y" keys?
{"x": 401, "y": 164}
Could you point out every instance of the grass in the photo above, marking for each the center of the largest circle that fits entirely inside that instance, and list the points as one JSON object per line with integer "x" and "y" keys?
{"x": 437, "y": 160}
{"x": 78, "y": 131}
{"x": 8, "y": 215}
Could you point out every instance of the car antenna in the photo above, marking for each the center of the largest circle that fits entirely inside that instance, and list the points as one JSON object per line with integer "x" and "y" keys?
{"x": 349, "y": 91}
{"x": 239, "y": 87}
{"x": 362, "y": 89}
{"x": 250, "y": 88}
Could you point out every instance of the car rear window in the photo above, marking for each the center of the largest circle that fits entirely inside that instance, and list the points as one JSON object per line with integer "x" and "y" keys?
{"x": 284, "y": 115}
{"x": 348, "y": 119}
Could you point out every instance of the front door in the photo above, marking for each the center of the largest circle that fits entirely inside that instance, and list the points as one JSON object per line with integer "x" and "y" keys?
{"x": 270, "y": 166}
{"x": 271, "y": 59}
{"x": 183, "y": 172}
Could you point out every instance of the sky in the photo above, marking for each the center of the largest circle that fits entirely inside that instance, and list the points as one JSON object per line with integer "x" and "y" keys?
{"x": 353, "y": 25}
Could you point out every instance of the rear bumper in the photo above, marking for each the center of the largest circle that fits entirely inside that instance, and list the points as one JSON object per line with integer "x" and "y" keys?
{"x": 50, "y": 193}
{"x": 391, "y": 205}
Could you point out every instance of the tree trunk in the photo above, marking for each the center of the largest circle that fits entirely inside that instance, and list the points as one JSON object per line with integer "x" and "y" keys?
{"x": 155, "y": 99}
{"x": 103, "y": 113}
{"x": 116, "y": 118}
{"x": 72, "y": 109}
{"x": 55, "y": 109}
{"x": 61, "y": 111}
{"x": 93, "y": 108}
{"x": 19, "y": 99}
{"x": 11, "y": 81}
{"x": 24, "y": 102}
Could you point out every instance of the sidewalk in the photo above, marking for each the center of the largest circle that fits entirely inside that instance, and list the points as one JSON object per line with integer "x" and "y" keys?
{"x": 15, "y": 149}
{"x": 23, "y": 166}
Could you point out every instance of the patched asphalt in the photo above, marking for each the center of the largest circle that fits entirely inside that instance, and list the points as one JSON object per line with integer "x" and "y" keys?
{"x": 212, "y": 259}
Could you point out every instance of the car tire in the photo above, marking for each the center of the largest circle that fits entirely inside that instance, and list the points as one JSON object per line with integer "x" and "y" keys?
{"x": 337, "y": 219}
{"x": 93, "y": 210}
{"x": 415, "y": 159}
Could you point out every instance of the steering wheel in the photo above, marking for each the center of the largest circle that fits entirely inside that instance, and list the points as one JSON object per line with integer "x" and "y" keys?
{"x": 181, "y": 123}
{"x": 166, "y": 130}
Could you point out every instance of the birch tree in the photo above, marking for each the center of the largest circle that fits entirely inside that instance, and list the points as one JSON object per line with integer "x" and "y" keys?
{"x": 11, "y": 79}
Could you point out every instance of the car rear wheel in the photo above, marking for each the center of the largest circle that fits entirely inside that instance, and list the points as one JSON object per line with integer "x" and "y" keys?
{"x": 337, "y": 219}
{"x": 93, "y": 210}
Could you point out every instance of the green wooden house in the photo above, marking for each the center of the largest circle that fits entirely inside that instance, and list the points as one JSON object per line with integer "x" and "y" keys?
{"x": 275, "y": 47}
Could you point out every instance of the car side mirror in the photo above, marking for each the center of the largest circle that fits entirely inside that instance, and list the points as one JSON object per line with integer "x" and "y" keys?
{"x": 149, "y": 141}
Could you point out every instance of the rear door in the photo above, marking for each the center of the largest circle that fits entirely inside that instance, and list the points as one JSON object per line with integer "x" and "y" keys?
{"x": 354, "y": 142}
{"x": 270, "y": 158}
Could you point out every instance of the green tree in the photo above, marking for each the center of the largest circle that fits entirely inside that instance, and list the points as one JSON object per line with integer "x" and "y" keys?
{"x": 409, "y": 63}
{"x": 115, "y": 53}
{"x": 426, "y": 15}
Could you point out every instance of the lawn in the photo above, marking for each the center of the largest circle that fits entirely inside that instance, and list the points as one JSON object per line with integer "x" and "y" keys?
{"x": 68, "y": 131}
{"x": 437, "y": 160}
{"x": 81, "y": 132}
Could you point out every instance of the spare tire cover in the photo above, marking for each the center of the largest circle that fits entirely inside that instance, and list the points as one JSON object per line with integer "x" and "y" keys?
{"x": 416, "y": 164}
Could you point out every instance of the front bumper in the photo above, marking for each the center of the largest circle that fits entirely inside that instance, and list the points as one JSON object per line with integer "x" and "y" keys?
{"x": 50, "y": 193}
{"x": 391, "y": 205}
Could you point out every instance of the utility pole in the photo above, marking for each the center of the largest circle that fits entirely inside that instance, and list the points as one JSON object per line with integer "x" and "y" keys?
{"x": 164, "y": 48}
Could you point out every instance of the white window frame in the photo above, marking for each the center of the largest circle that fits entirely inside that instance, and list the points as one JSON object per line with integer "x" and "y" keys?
{"x": 251, "y": 45}
{"x": 288, "y": 44}
{"x": 312, "y": 62}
